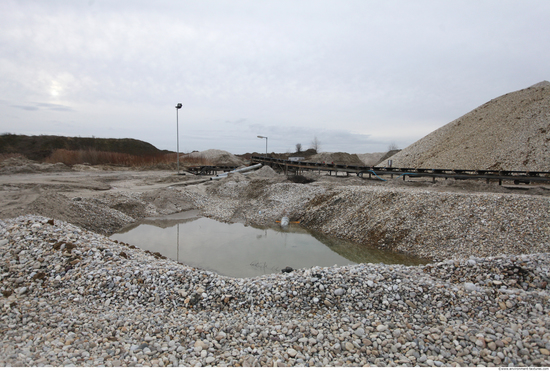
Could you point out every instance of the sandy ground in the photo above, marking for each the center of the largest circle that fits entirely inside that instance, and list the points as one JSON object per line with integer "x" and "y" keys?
{"x": 18, "y": 191}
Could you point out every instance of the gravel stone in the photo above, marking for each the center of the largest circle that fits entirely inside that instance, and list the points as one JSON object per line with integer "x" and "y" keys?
{"x": 71, "y": 298}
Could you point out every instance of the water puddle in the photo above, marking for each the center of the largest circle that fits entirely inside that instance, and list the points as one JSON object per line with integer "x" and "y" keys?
{"x": 237, "y": 250}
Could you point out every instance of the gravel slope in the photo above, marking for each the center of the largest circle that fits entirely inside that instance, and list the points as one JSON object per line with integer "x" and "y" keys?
{"x": 511, "y": 132}
{"x": 76, "y": 298}
{"x": 429, "y": 223}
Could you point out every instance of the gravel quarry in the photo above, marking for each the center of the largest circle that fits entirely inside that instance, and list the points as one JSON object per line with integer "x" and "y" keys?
{"x": 73, "y": 297}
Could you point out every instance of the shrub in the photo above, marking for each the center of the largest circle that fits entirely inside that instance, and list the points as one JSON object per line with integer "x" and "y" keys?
{"x": 94, "y": 157}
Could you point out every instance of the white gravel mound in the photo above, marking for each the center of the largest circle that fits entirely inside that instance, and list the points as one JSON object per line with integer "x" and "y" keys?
{"x": 217, "y": 157}
{"x": 264, "y": 172}
{"x": 511, "y": 132}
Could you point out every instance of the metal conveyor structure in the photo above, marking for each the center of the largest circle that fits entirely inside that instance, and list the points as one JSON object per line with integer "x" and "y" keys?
{"x": 296, "y": 167}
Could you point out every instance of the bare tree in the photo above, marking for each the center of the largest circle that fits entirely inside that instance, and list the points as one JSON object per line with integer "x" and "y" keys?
{"x": 315, "y": 144}
{"x": 393, "y": 146}
{"x": 298, "y": 147}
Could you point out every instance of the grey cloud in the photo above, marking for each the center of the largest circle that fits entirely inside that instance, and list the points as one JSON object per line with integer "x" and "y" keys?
{"x": 26, "y": 108}
{"x": 54, "y": 107}
{"x": 46, "y": 106}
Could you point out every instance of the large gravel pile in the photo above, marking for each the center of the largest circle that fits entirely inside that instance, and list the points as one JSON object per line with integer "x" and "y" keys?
{"x": 511, "y": 132}
{"x": 75, "y": 298}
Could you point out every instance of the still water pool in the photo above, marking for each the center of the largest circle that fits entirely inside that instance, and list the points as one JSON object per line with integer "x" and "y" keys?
{"x": 237, "y": 250}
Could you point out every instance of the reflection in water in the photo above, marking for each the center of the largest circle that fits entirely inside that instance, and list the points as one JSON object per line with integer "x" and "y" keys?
{"x": 366, "y": 254}
{"x": 242, "y": 251}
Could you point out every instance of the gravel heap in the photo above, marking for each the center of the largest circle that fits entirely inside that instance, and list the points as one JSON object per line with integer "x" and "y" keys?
{"x": 109, "y": 212}
{"x": 371, "y": 159}
{"x": 76, "y": 298}
{"x": 216, "y": 157}
{"x": 265, "y": 172}
{"x": 511, "y": 132}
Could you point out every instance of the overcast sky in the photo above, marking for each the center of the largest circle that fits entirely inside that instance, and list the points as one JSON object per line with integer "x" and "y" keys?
{"x": 357, "y": 74}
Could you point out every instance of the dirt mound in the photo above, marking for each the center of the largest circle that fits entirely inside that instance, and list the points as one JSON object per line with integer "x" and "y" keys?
{"x": 264, "y": 172}
{"x": 340, "y": 158}
{"x": 511, "y": 132}
{"x": 370, "y": 159}
{"x": 16, "y": 165}
{"x": 236, "y": 177}
{"x": 16, "y": 161}
{"x": 89, "y": 214}
{"x": 216, "y": 157}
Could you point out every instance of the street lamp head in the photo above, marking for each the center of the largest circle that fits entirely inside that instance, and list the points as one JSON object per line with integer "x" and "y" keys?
{"x": 178, "y": 106}
{"x": 261, "y": 137}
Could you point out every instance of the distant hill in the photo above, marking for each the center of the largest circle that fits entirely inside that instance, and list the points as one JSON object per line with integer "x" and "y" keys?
{"x": 39, "y": 147}
{"x": 511, "y": 132}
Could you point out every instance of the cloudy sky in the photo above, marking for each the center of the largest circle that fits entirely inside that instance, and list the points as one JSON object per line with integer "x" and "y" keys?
{"x": 357, "y": 74}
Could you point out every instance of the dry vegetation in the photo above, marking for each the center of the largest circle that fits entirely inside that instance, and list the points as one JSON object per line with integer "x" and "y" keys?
{"x": 94, "y": 151}
{"x": 94, "y": 157}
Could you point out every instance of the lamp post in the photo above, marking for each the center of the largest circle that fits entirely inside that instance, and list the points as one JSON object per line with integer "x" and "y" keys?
{"x": 178, "y": 106}
{"x": 262, "y": 137}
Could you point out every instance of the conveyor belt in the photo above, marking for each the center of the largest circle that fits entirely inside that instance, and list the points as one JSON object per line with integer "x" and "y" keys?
{"x": 374, "y": 171}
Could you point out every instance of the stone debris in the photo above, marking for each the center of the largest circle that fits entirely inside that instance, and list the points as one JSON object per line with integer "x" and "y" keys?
{"x": 510, "y": 132}
{"x": 71, "y": 297}
{"x": 431, "y": 224}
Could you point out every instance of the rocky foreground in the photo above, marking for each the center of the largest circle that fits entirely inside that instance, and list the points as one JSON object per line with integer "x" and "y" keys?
{"x": 73, "y": 297}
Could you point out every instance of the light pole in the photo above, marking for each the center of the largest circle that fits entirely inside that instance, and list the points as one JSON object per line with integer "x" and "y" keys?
{"x": 262, "y": 137}
{"x": 178, "y": 106}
